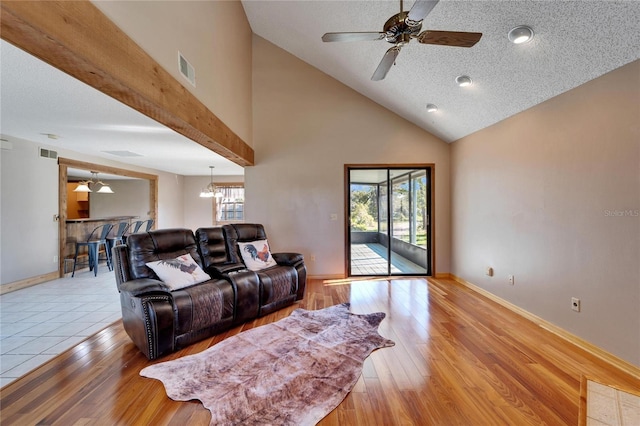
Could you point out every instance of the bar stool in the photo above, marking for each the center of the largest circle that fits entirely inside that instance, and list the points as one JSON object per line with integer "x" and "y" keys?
{"x": 135, "y": 226}
{"x": 97, "y": 238}
{"x": 147, "y": 224}
{"x": 142, "y": 225}
{"x": 118, "y": 238}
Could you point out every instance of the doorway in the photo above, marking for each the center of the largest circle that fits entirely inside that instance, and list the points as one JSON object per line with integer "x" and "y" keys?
{"x": 63, "y": 167}
{"x": 389, "y": 220}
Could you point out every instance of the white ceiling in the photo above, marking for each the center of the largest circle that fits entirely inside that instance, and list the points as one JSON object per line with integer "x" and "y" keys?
{"x": 575, "y": 41}
{"x": 38, "y": 99}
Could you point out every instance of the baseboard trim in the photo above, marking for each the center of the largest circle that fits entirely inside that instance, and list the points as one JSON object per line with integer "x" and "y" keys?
{"x": 442, "y": 275}
{"x": 594, "y": 350}
{"x": 327, "y": 277}
{"x": 28, "y": 282}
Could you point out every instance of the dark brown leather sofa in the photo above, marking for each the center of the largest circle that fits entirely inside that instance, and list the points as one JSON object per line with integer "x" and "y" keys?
{"x": 160, "y": 320}
{"x": 279, "y": 286}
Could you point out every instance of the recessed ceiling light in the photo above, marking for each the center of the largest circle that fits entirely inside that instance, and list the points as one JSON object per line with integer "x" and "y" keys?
{"x": 520, "y": 34}
{"x": 432, "y": 108}
{"x": 463, "y": 80}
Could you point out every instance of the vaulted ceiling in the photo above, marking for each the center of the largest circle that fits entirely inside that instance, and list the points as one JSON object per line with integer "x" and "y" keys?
{"x": 574, "y": 42}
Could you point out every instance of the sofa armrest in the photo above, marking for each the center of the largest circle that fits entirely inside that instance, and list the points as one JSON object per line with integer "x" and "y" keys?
{"x": 144, "y": 286}
{"x": 287, "y": 259}
{"x": 223, "y": 269}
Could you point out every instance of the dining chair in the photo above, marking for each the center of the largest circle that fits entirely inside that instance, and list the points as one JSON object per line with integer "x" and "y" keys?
{"x": 96, "y": 239}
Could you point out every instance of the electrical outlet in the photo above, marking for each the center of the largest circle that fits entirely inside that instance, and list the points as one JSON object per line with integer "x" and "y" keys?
{"x": 313, "y": 257}
{"x": 489, "y": 271}
{"x": 512, "y": 280}
{"x": 575, "y": 304}
{"x": 55, "y": 259}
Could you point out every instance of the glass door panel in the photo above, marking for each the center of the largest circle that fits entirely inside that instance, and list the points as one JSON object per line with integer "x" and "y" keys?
{"x": 388, "y": 222}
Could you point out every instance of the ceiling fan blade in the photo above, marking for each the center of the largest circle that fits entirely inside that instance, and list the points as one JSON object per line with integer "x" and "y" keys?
{"x": 385, "y": 64}
{"x": 419, "y": 11}
{"x": 368, "y": 36}
{"x": 449, "y": 38}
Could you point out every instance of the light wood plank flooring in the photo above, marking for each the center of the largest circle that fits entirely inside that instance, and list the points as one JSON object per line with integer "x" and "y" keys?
{"x": 459, "y": 359}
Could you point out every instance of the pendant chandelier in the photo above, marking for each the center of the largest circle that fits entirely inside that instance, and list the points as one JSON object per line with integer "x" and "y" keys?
{"x": 211, "y": 190}
{"x": 83, "y": 186}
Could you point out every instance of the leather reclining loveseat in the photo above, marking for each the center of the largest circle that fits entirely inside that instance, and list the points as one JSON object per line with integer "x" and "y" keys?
{"x": 161, "y": 319}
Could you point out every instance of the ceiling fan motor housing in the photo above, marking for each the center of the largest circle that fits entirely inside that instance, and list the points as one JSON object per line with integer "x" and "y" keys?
{"x": 397, "y": 31}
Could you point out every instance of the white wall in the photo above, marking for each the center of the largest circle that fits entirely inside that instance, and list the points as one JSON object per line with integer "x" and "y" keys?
{"x": 214, "y": 36}
{"x": 552, "y": 196}
{"x": 130, "y": 198}
{"x": 307, "y": 126}
{"x": 28, "y": 234}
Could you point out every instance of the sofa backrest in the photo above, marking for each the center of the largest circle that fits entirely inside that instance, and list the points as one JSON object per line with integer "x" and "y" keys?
{"x": 159, "y": 245}
{"x": 241, "y": 233}
{"x": 212, "y": 245}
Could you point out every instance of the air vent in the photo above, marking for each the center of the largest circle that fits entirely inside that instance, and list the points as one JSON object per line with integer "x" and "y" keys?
{"x": 6, "y": 145}
{"x": 186, "y": 69}
{"x": 48, "y": 153}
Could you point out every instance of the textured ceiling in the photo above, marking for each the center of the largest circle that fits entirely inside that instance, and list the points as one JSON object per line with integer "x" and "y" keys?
{"x": 38, "y": 99}
{"x": 575, "y": 41}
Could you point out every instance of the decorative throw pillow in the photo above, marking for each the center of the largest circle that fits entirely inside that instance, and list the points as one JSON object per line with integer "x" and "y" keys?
{"x": 256, "y": 255}
{"x": 180, "y": 272}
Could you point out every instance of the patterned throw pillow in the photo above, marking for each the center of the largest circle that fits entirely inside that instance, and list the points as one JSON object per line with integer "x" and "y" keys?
{"x": 256, "y": 255}
{"x": 180, "y": 272}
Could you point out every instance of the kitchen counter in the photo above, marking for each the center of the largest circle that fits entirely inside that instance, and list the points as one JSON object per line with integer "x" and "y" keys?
{"x": 79, "y": 230}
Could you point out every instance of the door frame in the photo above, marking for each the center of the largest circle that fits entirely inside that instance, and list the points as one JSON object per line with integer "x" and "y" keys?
{"x": 432, "y": 218}
{"x": 66, "y": 163}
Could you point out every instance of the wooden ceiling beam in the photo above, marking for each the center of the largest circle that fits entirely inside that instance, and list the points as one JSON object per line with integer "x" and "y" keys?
{"x": 77, "y": 38}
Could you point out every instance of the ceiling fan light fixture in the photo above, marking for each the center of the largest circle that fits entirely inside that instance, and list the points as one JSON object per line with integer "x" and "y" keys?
{"x": 463, "y": 81}
{"x": 432, "y": 108}
{"x": 520, "y": 34}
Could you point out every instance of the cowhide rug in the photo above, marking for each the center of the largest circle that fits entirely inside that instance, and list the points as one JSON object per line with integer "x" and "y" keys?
{"x": 291, "y": 372}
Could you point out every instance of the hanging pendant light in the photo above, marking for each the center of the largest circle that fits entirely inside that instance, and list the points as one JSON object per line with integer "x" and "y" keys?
{"x": 211, "y": 190}
{"x": 83, "y": 186}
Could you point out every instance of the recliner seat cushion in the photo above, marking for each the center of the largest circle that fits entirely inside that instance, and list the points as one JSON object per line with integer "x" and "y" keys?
{"x": 202, "y": 305}
{"x": 277, "y": 283}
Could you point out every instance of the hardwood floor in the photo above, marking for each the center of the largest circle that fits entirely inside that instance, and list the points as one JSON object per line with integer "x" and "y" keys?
{"x": 459, "y": 359}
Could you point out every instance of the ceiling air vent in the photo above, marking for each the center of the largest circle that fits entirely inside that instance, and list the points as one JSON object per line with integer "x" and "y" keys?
{"x": 6, "y": 145}
{"x": 186, "y": 69}
{"x": 48, "y": 153}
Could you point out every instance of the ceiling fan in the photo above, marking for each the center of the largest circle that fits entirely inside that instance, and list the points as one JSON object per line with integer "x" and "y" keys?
{"x": 400, "y": 29}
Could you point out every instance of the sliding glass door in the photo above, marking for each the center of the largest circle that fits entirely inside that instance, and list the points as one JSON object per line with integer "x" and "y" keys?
{"x": 388, "y": 221}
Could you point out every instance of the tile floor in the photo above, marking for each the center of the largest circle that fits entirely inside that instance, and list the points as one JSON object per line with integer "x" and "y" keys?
{"x": 611, "y": 407}
{"x": 371, "y": 259}
{"x": 37, "y": 323}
